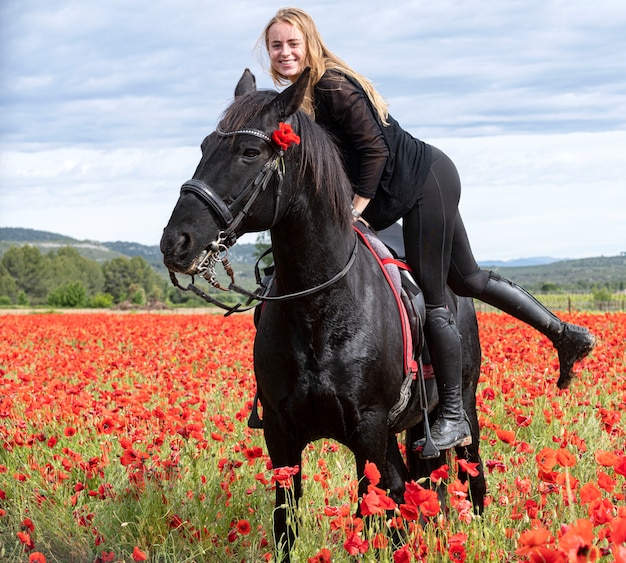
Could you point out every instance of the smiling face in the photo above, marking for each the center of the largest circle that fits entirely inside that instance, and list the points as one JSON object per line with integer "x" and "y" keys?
{"x": 287, "y": 50}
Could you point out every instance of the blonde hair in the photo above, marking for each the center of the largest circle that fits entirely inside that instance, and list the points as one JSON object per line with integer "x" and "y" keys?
{"x": 320, "y": 58}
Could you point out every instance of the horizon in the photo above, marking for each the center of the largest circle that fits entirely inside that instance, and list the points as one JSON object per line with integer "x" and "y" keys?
{"x": 538, "y": 260}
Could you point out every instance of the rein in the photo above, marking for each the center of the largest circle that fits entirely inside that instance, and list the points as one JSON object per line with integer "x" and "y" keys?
{"x": 304, "y": 292}
{"x": 217, "y": 251}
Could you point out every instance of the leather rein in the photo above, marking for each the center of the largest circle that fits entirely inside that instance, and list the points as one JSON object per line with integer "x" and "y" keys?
{"x": 217, "y": 251}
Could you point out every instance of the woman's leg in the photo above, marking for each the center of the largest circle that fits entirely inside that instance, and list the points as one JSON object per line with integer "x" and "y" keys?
{"x": 572, "y": 342}
{"x": 428, "y": 231}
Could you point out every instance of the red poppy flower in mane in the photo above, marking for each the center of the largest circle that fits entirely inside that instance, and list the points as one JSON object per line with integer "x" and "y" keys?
{"x": 284, "y": 136}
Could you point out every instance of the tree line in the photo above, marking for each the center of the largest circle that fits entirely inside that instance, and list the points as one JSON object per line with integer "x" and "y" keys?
{"x": 64, "y": 278}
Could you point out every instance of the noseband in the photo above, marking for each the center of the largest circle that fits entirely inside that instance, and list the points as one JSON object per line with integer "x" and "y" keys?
{"x": 229, "y": 223}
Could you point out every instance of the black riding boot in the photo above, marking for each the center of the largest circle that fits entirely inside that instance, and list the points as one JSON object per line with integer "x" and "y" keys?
{"x": 451, "y": 428}
{"x": 572, "y": 342}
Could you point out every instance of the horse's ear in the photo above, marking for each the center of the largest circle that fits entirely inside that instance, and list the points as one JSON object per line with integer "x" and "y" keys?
{"x": 247, "y": 83}
{"x": 289, "y": 100}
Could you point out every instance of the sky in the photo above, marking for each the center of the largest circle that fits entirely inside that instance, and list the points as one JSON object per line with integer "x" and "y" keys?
{"x": 103, "y": 106}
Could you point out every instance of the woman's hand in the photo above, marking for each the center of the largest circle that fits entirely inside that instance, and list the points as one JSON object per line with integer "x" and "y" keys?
{"x": 359, "y": 204}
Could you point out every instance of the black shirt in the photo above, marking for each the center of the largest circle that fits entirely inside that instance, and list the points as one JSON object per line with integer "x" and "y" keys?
{"x": 384, "y": 162}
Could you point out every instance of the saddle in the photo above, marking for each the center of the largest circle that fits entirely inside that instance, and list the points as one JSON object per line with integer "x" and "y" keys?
{"x": 407, "y": 294}
{"x": 388, "y": 248}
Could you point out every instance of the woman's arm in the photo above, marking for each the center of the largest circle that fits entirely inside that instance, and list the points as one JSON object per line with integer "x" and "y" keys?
{"x": 352, "y": 115}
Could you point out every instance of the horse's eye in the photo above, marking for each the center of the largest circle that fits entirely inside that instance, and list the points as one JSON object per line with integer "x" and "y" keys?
{"x": 251, "y": 153}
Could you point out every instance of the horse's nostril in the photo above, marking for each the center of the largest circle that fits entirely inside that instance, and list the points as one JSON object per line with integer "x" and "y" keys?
{"x": 184, "y": 241}
{"x": 175, "y": 244}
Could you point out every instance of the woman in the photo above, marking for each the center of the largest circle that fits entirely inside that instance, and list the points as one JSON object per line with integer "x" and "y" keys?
{"x": 397, "y": 176}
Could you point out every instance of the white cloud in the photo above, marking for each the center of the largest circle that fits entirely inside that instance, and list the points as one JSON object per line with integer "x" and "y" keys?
{"x": 103, "y": 106}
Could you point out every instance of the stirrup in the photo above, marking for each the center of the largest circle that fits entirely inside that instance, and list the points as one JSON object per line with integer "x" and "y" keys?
{"x": 425, "y": 447}
{"x": 254, "y": 420}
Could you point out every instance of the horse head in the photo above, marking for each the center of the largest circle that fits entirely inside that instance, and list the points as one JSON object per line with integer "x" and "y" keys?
{"x": 237, "y": 186}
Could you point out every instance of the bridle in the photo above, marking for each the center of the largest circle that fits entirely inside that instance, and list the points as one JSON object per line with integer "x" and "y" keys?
{"x": 252, "y": 191}
{"x": 217, "y": 251}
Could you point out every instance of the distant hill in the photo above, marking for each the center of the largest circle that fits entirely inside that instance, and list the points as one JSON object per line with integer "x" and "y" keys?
{"x": 535, "y": 274}
{"x": 102, "y": 251}
{"x": 519, "y": 262}
{"x": 46, "y": 241}
{"x": 574, "y": 275}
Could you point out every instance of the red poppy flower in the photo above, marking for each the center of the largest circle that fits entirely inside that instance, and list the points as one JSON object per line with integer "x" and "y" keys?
{"x": 589, "y": 492}
{"x": 323, "y": 556}
{"x": 253, "y": 453}
{"x": 243, "y": 527}
{"x": 284, "y": 136}
{"x": 439, "y": 474}
{"x": 380, "y": 541}
{"x": 546, "y": 459}
{"x": 618, "y": 531}
{"x": 25, "y": 538}
{"x": 27, "y": 524}
{"x": 36, "y": 557}
{"x": 468, "y": 467}
{"x": 456, "y": 553}
{"x": 283, "y": 475}
{"x": 139, "y": 555}
{"x": 354, "y": 544}
{"x": 577, "y": 544}
{"x": 606, "y": 459}
{"x": 372, "y": 473}
{"x": 507, "y": 436}
{"x": 409, "y": 512}
{"x": 618, "y": 537}
{"x": 531, "y": 540}
{"x": 376, "y": 501}
{"x": 564, "y": 458}
{"x": 402, "y": 555}
{"x": 605, "y": 481}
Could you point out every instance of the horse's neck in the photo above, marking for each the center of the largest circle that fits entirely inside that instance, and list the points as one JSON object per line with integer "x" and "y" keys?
{"x": 309, "y": 249}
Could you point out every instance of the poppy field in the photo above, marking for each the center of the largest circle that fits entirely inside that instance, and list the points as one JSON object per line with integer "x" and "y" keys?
{"x": 123, "y": 437}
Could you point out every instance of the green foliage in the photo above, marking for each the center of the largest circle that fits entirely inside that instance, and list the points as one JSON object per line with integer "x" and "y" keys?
{"x": 8, "y": 287}
{"x": 137, "y": 294}
{"x": 602, "y": 294}
{"x": 263, "y": 243}
{"x": 123, "y": 277}
{"x": 570, "y": 276}
{"x": 549, "y": 287}
{"x": 100, "y": 301}
{"x": 71, "y": 294}
{"x": 65, "y": 278}
{"x": 30, "y": 271}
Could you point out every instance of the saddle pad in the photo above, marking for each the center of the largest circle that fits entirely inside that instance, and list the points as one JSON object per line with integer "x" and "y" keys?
{"x": 389, "y": 267}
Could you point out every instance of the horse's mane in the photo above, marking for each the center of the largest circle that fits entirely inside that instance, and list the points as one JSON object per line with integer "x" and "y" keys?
{"x": 319, "y": 156}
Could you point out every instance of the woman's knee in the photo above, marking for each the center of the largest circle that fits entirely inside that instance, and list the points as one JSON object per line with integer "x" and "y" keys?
{"x": 469, "y": 286}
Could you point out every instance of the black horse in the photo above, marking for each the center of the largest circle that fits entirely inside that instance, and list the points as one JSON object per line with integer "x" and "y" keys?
{"x": 328, "y": 353}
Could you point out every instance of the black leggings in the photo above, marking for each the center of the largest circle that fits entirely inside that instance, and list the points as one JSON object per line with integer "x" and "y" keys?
{"x": 436, "y": 244}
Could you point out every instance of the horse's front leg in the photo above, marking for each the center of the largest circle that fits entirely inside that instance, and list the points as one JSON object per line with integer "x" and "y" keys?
{"x": 378, "y": 445}
{"x": 286, "y": 456}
